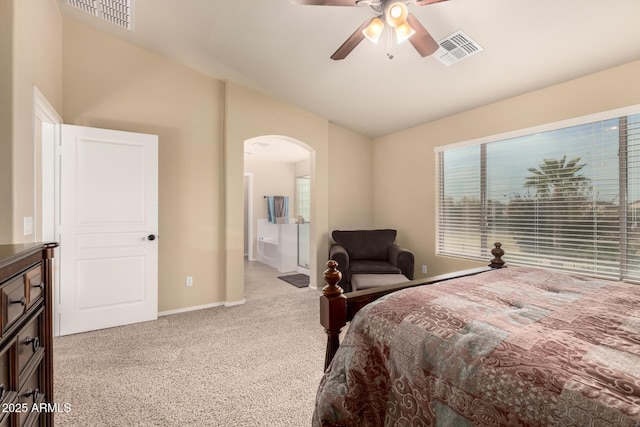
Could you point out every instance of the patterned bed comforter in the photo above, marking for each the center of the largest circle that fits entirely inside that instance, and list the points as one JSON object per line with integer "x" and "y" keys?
{"x": 512, "y": 347}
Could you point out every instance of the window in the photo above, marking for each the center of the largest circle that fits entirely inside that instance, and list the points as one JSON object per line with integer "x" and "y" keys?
{"x": 303, "y": 198}
{"x": 564, "y": 196}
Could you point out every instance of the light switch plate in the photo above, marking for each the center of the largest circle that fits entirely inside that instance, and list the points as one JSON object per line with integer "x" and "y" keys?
{"x": 28, "y": 225}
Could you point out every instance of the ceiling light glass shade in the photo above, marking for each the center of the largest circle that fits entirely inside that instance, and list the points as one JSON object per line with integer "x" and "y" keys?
{"x": 373, "y": 30}
{"x": 397, "y": 14}
{"x": 404, "y": 32}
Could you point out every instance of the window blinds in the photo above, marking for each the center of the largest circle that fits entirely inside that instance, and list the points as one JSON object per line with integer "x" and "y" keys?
{"x": 563, "y": 198}
{"x": 631, "y": 262}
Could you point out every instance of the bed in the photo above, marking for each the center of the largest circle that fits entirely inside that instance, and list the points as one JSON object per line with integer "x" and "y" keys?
{"x": 511, "y": 346}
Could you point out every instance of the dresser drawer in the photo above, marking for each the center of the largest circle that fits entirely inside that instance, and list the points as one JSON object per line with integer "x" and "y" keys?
{"x": 30, "y": 341}
{"x": 31, "y": 393}
{"x": 6, "y": 383}
{"x": 14, "y": 302}
{"x": 34, "y": 285}
{"x": 26, "y": 339}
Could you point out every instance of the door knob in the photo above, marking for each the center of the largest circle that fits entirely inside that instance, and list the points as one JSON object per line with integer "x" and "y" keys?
{"x": 151, "y": 237}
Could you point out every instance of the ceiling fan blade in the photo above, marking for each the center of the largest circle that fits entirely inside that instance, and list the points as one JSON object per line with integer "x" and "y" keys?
{"x": 325, "y": 2}
{"x": 426, "y": 2}
{"x": 421, "y": 40}
{"x": 350, "y": 44}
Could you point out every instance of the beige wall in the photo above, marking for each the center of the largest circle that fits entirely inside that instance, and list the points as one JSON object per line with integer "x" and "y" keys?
{"x": 270, "y": 179}
{"x": 6, "y": 121}
{"x": 37, "y": 61}
{"x": 303, "y": 168}
{"x": 250, "y": 114}
{"x": 111, "y": 84}
{"x": 404, "y": 162}
{"x": 93, "y": 79}
{"x": 350, "y": 180}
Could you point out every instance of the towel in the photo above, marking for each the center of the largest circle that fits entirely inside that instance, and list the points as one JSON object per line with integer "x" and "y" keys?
{"x": 281, "y": 205}
{"x": 271, "y": 213}
{"x": 278, "y": 209}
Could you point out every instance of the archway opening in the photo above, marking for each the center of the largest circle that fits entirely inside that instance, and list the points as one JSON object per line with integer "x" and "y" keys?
{"x": 278, "y": 200}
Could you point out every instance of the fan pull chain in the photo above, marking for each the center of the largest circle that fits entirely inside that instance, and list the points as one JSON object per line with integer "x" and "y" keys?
{"x": 389, "y": 44}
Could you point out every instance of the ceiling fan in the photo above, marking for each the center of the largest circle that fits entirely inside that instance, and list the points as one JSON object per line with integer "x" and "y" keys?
{"x": 396, "y": 16}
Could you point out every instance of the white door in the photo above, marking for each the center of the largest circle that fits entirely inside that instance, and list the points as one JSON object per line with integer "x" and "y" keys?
{"x": 109, "y": 223}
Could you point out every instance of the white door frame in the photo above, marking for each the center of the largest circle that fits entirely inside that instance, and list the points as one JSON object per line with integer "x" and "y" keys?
{"x": 46, "y": 211}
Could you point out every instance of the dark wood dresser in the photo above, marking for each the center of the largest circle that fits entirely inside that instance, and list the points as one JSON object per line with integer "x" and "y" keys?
{"x": 26, "y": 335}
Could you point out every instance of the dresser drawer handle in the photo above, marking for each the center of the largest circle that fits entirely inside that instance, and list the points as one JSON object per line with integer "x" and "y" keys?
{"x": 35, "y": 343}
{"x": 39, "y": 285}
{"x": 22, "y": 301}
{"x": 32, "y": 392}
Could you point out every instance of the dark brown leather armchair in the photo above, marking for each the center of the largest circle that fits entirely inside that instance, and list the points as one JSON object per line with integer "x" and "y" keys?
{"x": 369, "y": 252}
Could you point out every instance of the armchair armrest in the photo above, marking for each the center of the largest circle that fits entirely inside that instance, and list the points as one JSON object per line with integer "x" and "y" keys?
{"x": 403, "y": 259}
{"x": 340, "y": 255}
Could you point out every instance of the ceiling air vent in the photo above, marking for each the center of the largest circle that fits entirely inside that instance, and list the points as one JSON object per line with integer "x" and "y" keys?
{"x": 456, "y": 47}
{"x": 118, "y": 12}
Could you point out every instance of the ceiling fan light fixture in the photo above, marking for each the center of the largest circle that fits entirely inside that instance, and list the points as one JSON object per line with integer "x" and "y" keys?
{"x": 404, "y": 32}
{"x": 374, "y": 30}
{"x": 393, "y": 13}
{"x": 397, "y": 14}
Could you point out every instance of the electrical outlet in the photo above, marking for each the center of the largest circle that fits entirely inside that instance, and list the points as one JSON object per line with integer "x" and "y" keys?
{"x": 424, "y": 269}
{"x": 189, "y": 281}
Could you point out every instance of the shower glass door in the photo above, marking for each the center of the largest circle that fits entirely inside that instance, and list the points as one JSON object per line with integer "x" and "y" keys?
{"x": 303, "y": 206}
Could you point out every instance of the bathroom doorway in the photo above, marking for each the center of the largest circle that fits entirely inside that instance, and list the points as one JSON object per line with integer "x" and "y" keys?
{"x": 277, "y": 241}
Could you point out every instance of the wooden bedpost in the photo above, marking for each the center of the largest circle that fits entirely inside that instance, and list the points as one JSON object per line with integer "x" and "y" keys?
{"x": 497, "y": 252}
{"x": 336, "y": 308}
{"x": 333, "y": 310}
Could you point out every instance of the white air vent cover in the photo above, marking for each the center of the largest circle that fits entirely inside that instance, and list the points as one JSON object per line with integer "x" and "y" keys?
{"x": 456, "y": 47}
{"x": 118, "y": 12}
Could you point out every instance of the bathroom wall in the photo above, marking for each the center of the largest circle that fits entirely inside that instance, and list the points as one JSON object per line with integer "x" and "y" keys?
{"x": 303, "y": 168}
{"x": 270, "y": 179}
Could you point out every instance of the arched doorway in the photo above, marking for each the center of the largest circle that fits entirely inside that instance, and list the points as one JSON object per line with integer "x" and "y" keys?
{"x": 249, "y": 114}
{"x": 276, "y": 166}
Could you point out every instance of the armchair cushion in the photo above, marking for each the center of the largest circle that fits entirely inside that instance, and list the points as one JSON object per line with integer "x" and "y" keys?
{"x": 366, "y": 244}
{"x": 373, "y": 267}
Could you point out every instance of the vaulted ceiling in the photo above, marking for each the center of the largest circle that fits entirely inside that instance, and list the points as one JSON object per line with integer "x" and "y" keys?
{"x": 283, "y": 50}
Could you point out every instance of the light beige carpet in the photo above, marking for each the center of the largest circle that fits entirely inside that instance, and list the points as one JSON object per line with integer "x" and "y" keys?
{"x": 257, "y": 364}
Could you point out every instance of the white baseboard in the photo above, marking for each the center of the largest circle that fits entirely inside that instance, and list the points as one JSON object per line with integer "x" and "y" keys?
{"x": 201, "y": 307}
{"x": 232, "y": 303}
{"x": 194, "y": 308}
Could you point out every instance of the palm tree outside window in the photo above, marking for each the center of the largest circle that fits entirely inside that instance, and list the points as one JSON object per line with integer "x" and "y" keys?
{"x": 564, "y": 198}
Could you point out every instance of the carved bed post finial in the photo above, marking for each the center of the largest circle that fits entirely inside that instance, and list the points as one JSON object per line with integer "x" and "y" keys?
{"x": 332, "y": 277}
{"x": 497, "y": 253}
{"x": 333, "y": 310}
